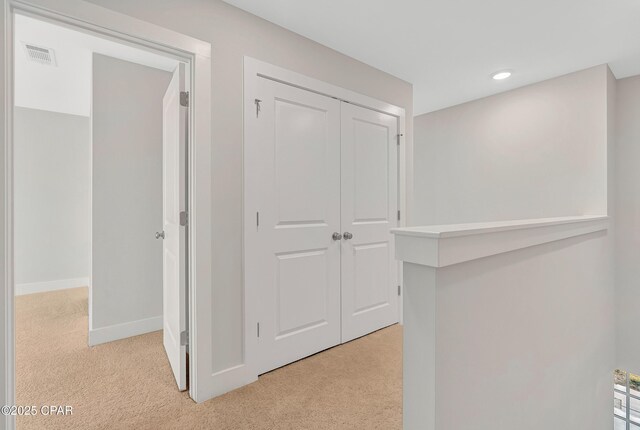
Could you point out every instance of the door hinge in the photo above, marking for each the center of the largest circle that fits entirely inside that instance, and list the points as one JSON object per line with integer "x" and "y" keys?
{"x": 184, "y": 218}
{"x": 258, "y": 107}
{"x": 398, "y": 215}
{"x": 184, "y": 98}
{"x": 257, "y": 219}
{"x": 398, "y": 136}
{"x": 399, "y": 290}
{"x": 184, "y": 337}
{"x": 258, "y": 329}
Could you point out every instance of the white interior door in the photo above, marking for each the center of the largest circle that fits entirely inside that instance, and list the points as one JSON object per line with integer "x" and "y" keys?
{"x": 369, "y": 211}
{"x": 174, "y": 139}
{"x": 295, "y": 166}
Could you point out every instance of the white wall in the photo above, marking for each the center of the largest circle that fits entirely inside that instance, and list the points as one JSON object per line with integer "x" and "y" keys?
{"x": 628, "y": 224}
{"x": 525, "y": 339}
{"x": 528, "y": 337}
{"x": 233, "y": 34}
{"x": 538, "y": 151}
{"x": 127, "y": 198}
{"x": 52, "y": 162}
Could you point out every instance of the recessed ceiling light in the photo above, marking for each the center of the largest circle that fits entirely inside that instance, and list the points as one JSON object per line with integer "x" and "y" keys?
{"x": 503, "y": 74}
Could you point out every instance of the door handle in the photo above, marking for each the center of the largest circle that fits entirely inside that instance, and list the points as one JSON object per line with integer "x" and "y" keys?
{"x": 159, "y": 234}
{"x": 336, "y": 236}
{"x": 347, "y": 235}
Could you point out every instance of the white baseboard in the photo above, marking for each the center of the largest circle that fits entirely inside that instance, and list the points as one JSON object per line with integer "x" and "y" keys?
{"x": 41, "y": 287}
{"x": 124, "y": 330}
{"x": 222, "y": 382}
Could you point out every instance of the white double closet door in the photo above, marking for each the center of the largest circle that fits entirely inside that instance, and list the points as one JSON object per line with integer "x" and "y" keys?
{"x": 327, "y": 198}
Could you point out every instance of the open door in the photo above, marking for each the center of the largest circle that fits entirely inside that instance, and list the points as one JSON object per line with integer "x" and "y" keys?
{"x": 174, "y": 164}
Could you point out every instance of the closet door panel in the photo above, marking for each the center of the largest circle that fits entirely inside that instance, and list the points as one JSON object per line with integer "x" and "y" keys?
{"x": 299, "y": 261}
{"x": 369, "y": 209}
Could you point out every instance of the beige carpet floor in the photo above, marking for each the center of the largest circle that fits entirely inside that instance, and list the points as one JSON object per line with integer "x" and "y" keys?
{"x": 128, "y": 384}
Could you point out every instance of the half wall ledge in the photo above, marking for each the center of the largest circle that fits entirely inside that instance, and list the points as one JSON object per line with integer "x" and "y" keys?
{"x": 444, "y": 245}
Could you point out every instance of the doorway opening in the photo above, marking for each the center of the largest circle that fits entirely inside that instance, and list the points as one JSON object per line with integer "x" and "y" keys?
{"x": 100, "y": 210}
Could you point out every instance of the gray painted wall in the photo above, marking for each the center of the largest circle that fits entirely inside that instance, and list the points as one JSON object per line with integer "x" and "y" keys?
{"x": 127, "y": 191}
{"x": 52, "y": 174}
{"x": 534, "y": 152}
{"x": 628, "y": 224}
{"x": 233, "y": 34}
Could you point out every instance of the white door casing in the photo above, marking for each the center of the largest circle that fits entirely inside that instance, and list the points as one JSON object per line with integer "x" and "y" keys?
{"x": 174, "y": 163}
{"x": 258, "y": 76}
{"x": 369, "y": 210}
{"x": 298, "y": 261}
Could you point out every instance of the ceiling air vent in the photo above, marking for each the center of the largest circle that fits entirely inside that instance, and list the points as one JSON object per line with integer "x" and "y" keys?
{"x": 40, "y": 54}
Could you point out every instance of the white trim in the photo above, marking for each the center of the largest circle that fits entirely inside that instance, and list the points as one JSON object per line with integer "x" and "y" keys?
{"x": 42, "y": 287}
{"x": 109, "y": 23}
{"x": 110, "y": 333}
{"x": 253, "y": 71}
{"x": 7, "y": 202}
{"x": 253, "y": 67}
{"x": 125, "y": 29}
{"x": 445, "y": 245}
{"x": 444, "y": 231}
{"x": 90, "y": 295}
{"x": 234, "y": 377}
{"x": 202, "y": 382}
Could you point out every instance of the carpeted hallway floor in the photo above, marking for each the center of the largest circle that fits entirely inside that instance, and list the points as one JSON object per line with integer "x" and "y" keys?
{"x": 128, "y": 384}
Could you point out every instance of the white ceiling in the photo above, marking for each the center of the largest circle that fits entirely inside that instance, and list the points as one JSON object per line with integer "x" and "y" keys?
{"x": 449, "y": 48}
{"x": 66, "y": 88}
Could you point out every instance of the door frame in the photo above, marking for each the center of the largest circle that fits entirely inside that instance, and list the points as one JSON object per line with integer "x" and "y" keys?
{"x": 254, "y": 70}
{"x": 122, "y": 28}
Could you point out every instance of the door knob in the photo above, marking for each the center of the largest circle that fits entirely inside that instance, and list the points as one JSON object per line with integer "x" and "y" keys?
{"x": 159, "y": 234}
{"x": 347, "y": 235}
{"x": 336, "y": 236}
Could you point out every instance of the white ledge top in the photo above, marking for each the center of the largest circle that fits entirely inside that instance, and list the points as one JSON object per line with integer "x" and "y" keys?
{"x": 444, "y": 245}
{"x": 454, "y": 230}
